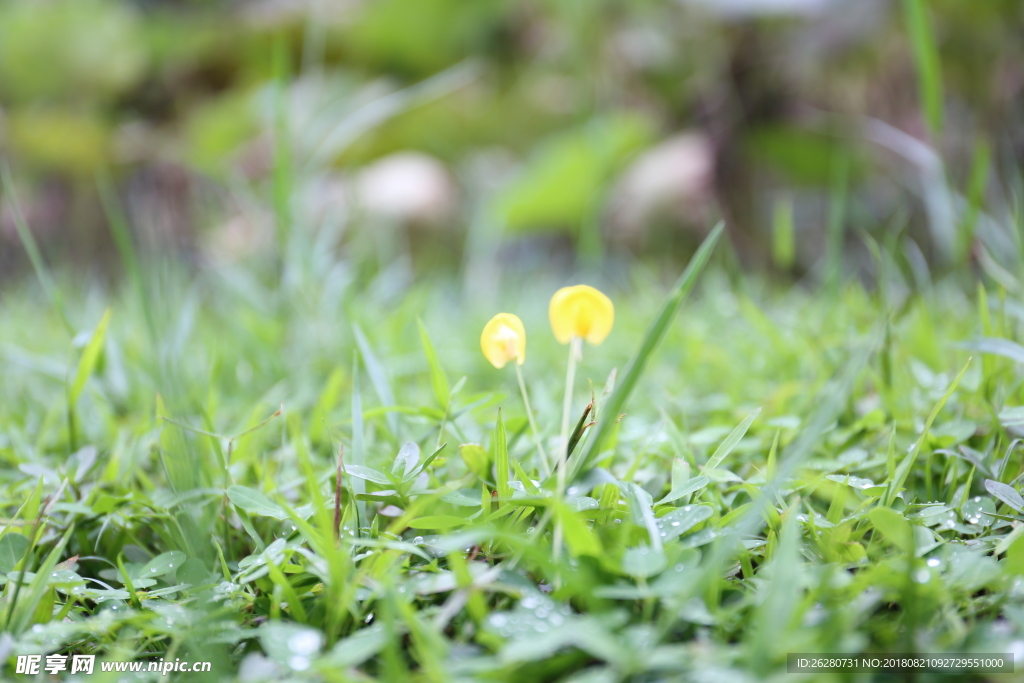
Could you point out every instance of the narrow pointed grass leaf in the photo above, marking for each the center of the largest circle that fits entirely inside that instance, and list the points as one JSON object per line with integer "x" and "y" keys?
{"x": 378, "y": 378}
{"x": 438, "y": 378}
{"x": 358, "y": 451}
{"x": 903, "y": 470}
{"x": 32, "y": 249}
{"x": 26, "y": 608}
{"x": 90, "y": 357}
{"x": 684, "y": 489}
{"x": 926, "y": 60}
{"x": 652, "y": 338}
{"x": 501, "y": 465}
{"x": 125, "y": 246}
{"x": 426, "y": 463}
{"x": 723, "y": 451}
{"x": 577, "y": 433}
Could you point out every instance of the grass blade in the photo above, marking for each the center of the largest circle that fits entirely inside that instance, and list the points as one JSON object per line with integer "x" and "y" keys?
{"x": 378, "y": 378}
{"x": 438, "y": 380}
{"x": 903, "y": 471}
{"x": 90, "y": 356}
{"x": 723, "y": 451}
{"x": 655, "y": 333}
{"x": 926, "y": 59}
{"x": 358, "y": 455}
{"x": 32, "y": 249}
{"x": 501, "y": 459}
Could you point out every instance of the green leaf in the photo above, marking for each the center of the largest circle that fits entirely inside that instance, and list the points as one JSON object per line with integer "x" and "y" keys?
{"x": 378, "y": 377}
{"x": 730, "y": 442}
{"x": 501, "y": 465}
{"x": 903, "y": 471}
{"x": 679, "y": 521}
{"x": 165, "y": 563}
{"x": 255, "y": 503}
{"x": 12, "y": 550}
{"x": 997, "y": 347}
{"x": 437, "y": 522}
{"x": 359, "y": 647}
{"x": 652, "y": 339}
{"x": 438, "y": 379}
{"x": 640, "y": 510}
{"x": 358, "y": 454}
{"x": 425, "y": 463}
{"x": 90, "y": 356}
{"x": 1005, "y": 493}
{"x": 894, "y": 527}
{"x": 407, "y": 460}
{"x": 926, "y": 59}
{"x": 685, "y": 488}
{"x": 577, "y": 432}
{"x": 1015, "y": 556}
{"x": 579, "y": 538}
{"x": 477, "y": 459}
{"x": 643, "y": 562}
{"x": 367, "y": 473}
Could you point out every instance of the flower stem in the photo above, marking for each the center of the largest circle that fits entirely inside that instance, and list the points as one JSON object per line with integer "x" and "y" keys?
{"x": 575, "y": 351}
{"x": 533, "y": 423}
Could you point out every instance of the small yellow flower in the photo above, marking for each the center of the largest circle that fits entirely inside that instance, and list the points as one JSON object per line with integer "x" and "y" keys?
{"x": 503, "y": 340}
{"x": 581, "y": 311}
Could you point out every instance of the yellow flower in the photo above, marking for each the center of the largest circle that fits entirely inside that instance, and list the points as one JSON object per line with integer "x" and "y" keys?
{"x": 504, "y": 339}
{"x": 581, "y": 311}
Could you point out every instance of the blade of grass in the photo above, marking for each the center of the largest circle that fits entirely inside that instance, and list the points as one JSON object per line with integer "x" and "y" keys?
{"x": 125, "y": 246}
{"x": 86, "y": 365}
{"x": 833, "y": 399}
{"x": 501, "y": 459}
{"x": 32, "y": 249}
{"x": 358, "y": 457}
{"x": 903, "y": 470}
{"x": 438, "y": 379}
{"x": 634, "y": 370}
{"x": 378, "y": 378}
{"x": 723, "y": 451}
{"x": 926, "y": 59}
{"x": 282, "y": 171}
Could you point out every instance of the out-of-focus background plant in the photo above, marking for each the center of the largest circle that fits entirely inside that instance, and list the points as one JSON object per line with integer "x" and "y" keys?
{"x": 478, "y": 131}
{"x": 248, "y": 248}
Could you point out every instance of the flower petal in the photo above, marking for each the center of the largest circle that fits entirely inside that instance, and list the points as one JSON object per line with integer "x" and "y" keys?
{"x": 504, "y": 339}
{"x": 581, "y": 311}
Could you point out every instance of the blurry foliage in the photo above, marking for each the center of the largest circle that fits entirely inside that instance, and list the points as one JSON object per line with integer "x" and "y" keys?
{"x": 565, "y": 176}
{"x": 69, "y": 50}
{"x": 416, "y": 39}
{"x": 76, "y": 142}
{"x": 217, "y": 128}
{"x": 569, "y": 94}
{"x": 803, "y": 157}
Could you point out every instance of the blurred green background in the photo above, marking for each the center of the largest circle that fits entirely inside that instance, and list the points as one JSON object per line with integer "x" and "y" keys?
{"x": 450, "y": 132}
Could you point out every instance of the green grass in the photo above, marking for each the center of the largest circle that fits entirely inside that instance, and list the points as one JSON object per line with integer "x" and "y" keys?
{"x": 795, "y": 471}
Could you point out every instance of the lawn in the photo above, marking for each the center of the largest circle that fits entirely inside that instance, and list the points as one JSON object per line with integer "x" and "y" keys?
{"x": 766, "y": 469}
